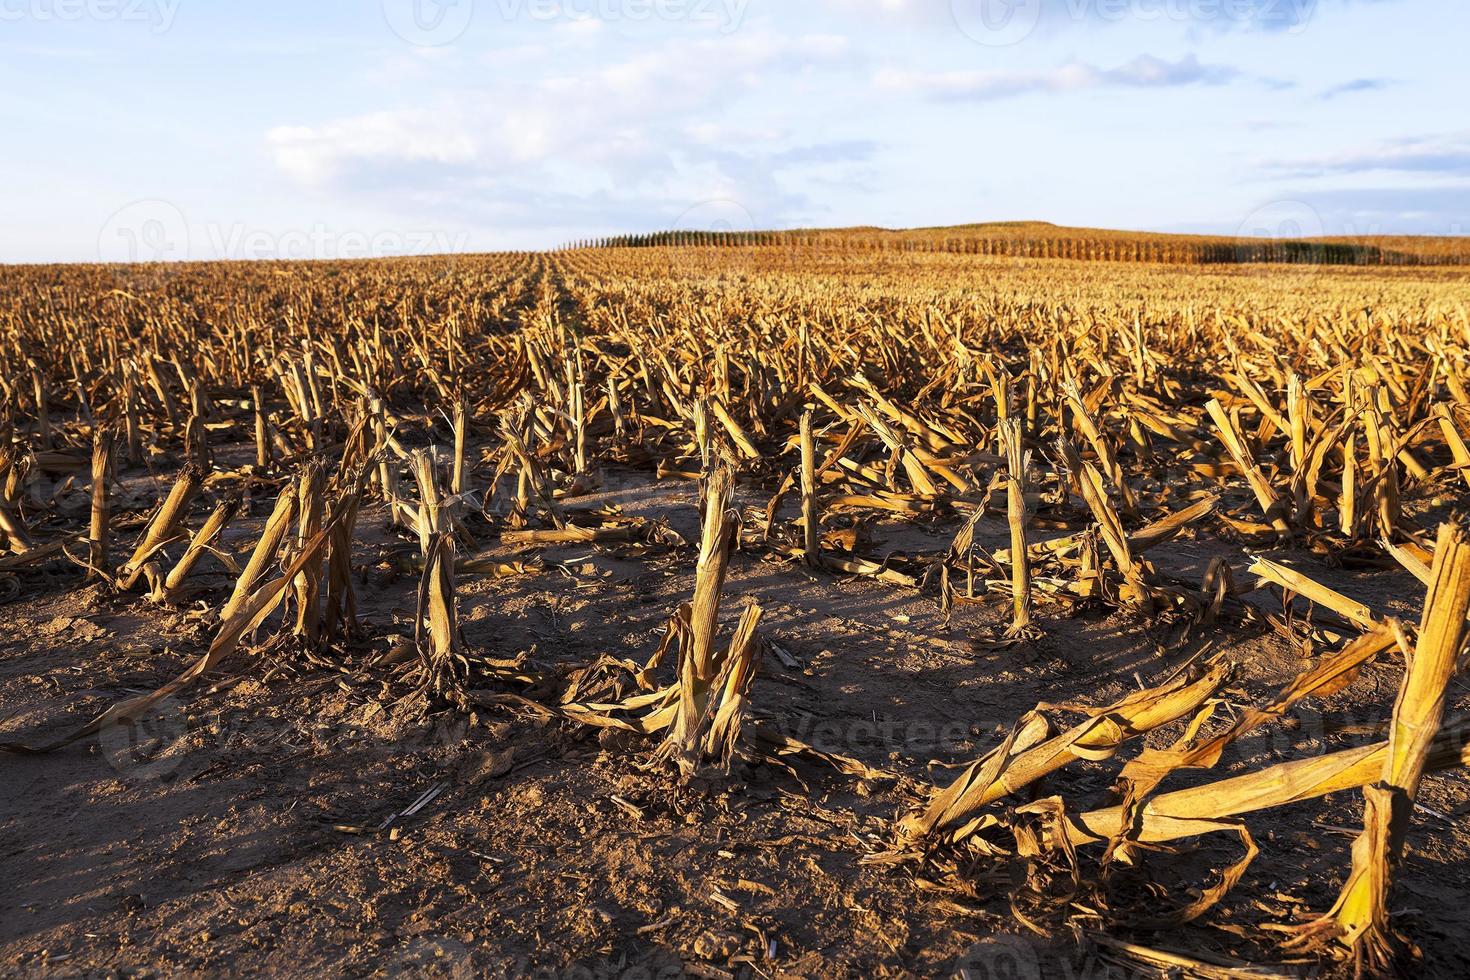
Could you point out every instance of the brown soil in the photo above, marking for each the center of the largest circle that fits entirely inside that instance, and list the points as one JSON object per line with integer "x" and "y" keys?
{"x": 236, "y": 832}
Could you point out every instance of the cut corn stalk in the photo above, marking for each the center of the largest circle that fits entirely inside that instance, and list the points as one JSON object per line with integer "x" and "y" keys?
{"x": 1016, "y": 461}
{"x": 1359, "y": 922}
{"x": 810, "y": 526}
{"x": 310, "y": 503}
{"x": 1331, "y": 675}
{"x": 442, "y": 665}
{"x": 1295, "y": 582}
{"x": 252, "y": 612}
{"x": 697, "y": 668}
{"x": 1091, "y": 484}
{"x": 1025, "y": 758}
{"x": 164, "y": 526}
{"x": 272, "y": 536}
{"x": 98, "y": 535}
{"x": 171, "y": 588}
{"x": 1240, "y": 453}
{"x": 1211, "y": 806}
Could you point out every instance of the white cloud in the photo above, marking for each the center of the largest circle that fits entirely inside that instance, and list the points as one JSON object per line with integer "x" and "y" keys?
{"x": 319, "y": 154}
{"x": 1146, "y": 71}
{"x": 596, "y": 112}
{"x": 652, "y": 126}
{"x": 711, "y": 133}
{"x": 1440, "y": 155}
{"x": 1057, "y": 17}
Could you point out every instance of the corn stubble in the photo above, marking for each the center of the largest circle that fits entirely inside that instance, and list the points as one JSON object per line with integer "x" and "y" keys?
{"x": 1062, "y": 447}
{"x": 1359, "y": 920}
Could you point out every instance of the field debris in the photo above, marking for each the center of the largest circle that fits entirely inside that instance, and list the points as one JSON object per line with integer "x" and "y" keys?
{"x": 716, "y": 528}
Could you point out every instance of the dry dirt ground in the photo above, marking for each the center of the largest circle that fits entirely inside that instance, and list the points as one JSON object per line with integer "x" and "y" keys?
{"x": 238, "y": 832}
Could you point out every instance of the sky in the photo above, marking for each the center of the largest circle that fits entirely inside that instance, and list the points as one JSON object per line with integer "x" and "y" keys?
{"x": 205, "y": 129}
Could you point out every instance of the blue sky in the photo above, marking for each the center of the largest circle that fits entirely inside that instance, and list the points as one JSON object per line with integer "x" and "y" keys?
{"x": 324, "y": 128}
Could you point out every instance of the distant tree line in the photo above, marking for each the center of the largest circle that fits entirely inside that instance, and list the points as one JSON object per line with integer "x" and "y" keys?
{"x": 1176, "y": 250}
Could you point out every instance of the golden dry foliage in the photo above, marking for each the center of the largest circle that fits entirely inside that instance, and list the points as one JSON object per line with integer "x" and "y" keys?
{"x": 1016, "y": 515}
{"x": 442, "y": 663}
{"x": 99, "y": 528}
{"x": 1054, "y": 428}
{"x": 162, "y": 529}
{"x": 697, "y": 664}
{"x": 1359, "y": 920}
{"x": 1027, "y": 754}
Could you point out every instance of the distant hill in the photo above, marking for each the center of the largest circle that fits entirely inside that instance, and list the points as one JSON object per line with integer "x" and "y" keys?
{"x": 1040, "y": 239}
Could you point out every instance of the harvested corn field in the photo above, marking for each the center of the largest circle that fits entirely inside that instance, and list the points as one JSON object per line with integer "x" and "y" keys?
{"x": 787, "y": 609}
